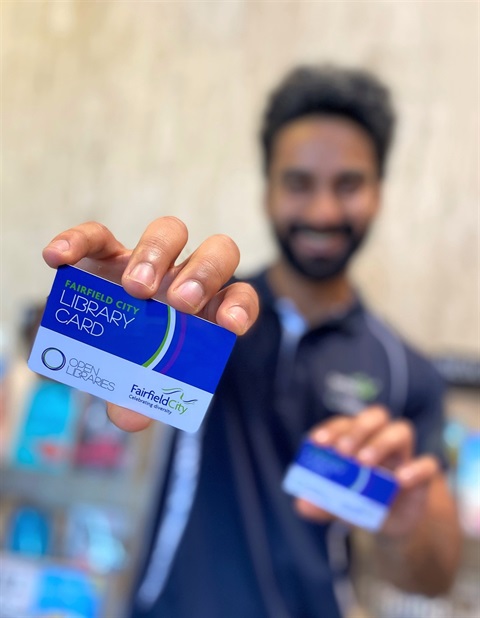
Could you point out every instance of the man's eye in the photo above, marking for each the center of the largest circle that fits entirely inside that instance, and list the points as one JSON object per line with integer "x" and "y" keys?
{"x": 349, "y": 184}
{"x": 297, "y": 184}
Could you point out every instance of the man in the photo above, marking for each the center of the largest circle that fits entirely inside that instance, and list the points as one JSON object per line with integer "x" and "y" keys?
{"x": 229, "y": 543}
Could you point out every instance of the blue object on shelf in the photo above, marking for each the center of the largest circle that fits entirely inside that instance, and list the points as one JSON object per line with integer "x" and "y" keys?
{"x": 29, "y": 532}
{"x": 47, "y": 436}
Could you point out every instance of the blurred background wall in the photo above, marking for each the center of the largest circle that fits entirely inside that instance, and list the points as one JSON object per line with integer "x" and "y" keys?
{"x": 125, "y": 111}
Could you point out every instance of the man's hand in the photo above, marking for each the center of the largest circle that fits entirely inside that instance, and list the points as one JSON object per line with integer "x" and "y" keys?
{"x": 374, "y": 439}
{"x": 149, "y": 270}
{"x": 418, "y": 548}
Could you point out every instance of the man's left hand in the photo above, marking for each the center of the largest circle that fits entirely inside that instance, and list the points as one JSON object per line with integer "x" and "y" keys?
{"x": 374, "y": 439}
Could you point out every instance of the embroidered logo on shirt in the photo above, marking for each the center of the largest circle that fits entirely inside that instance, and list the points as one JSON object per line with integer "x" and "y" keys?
{"x": 349, "y": 393}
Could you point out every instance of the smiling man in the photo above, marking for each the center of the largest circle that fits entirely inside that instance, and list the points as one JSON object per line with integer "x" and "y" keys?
{"x": 228, "y": 542}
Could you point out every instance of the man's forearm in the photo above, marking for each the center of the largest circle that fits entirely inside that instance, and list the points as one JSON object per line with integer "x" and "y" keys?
{"x": 424, "y": 561}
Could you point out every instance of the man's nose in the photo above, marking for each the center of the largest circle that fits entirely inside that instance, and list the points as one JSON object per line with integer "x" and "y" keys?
{"x": 324, "y": 208}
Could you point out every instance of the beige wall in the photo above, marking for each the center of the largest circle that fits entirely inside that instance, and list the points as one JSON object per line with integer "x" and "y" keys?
{"x": 126, "y": 111}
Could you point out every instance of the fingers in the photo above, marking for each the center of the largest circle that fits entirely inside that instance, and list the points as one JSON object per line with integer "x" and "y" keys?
{"x": 235, "y": 308}
{"x": 393, "y": 443}
{"x": 191, "y": 285}
{"x": 330, "y": 431}
{"x": 374, "y": 439}
{"x": 371, "y": 437}
{"x": 155, "y": 253}
{"x": 365, "y": 426}
{"x": 150, "y": 270}
{"x": 307, "y": 510}
{"x": 127, "y": 419}
{"x": 86, "y": 240}
{"x": 418, "y": 472}
{"x": 347, "y": 434}
{"x": 203, "y": 274}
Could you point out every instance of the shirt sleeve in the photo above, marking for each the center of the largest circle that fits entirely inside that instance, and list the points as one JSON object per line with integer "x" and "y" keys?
{"x": 425, "y": 407}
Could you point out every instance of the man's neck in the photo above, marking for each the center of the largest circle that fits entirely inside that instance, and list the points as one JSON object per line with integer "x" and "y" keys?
{"x": 317, "y": 301}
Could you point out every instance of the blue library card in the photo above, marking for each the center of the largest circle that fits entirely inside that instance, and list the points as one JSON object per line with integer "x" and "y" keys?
{"x": 357, "y": 494}
{"x": 140, "y": 354}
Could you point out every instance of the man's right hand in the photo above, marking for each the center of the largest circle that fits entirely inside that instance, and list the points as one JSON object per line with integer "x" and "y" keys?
{"x": 194, "y": 286}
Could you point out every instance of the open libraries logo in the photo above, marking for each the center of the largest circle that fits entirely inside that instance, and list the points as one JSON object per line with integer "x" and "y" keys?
{"x": 54, "y": 359}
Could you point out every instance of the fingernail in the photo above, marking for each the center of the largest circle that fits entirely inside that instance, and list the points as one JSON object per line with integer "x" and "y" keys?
{"x": 143, "y": 273}
{"x": 321, "y": 436}
{"x": 405, "y": 474}
{"x": 366, "y": 455}
{"x": 191, "y": 292}
{"x": 239, "y": 315}
{"x": 60, "y": 245}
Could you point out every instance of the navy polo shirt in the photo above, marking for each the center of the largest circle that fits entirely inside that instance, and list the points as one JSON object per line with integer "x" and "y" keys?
{"x": 243, "y": 551}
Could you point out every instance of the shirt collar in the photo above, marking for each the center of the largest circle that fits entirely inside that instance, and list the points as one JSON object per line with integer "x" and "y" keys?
{"x": 346, "y": 320}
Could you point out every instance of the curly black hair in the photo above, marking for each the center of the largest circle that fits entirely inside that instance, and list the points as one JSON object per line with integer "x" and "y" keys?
{"x": 331, "y": 90}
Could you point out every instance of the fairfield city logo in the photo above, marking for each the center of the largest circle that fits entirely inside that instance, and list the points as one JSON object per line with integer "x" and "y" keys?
{"x": 172, "y": 398}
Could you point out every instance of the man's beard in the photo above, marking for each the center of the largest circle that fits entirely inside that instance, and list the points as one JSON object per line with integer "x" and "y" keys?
{"x": 319, "y": 268}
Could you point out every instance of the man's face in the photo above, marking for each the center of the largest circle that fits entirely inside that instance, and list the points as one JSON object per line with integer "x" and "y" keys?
{"x": 323, "y": 193}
